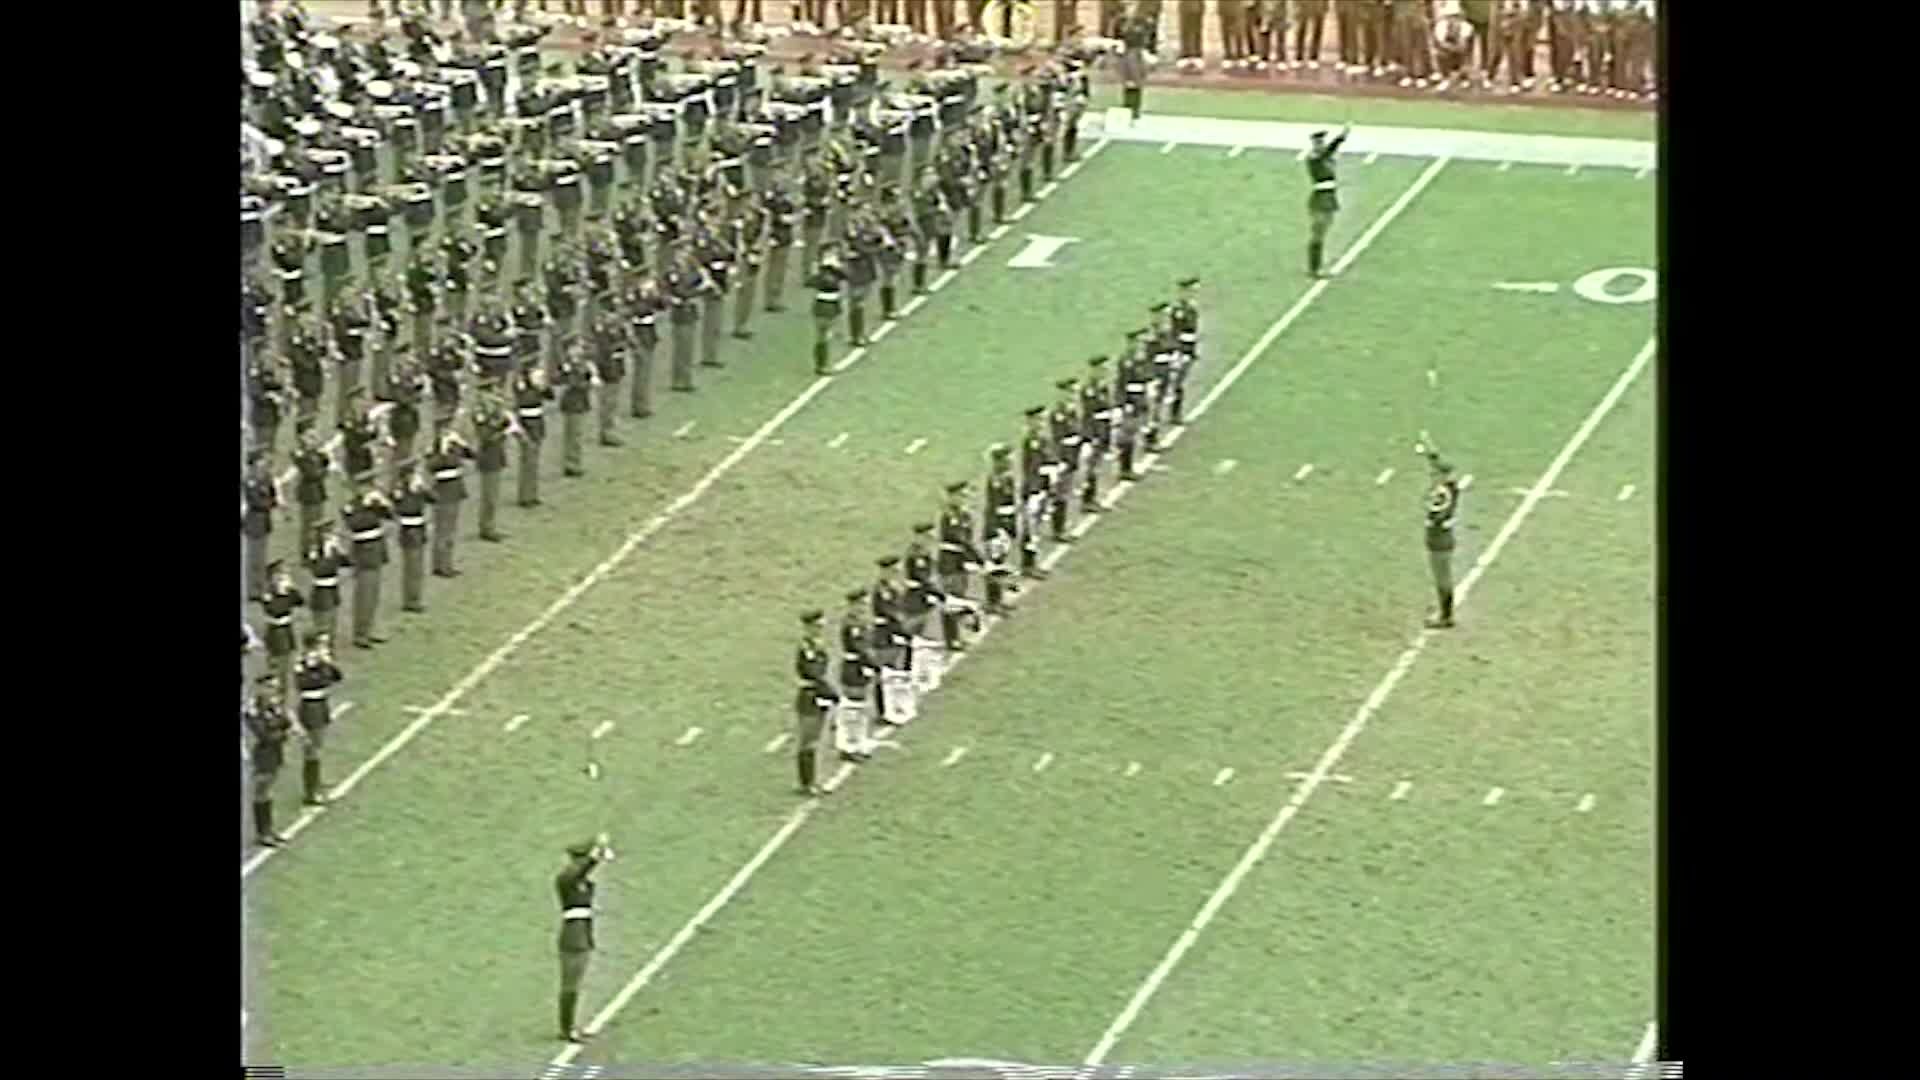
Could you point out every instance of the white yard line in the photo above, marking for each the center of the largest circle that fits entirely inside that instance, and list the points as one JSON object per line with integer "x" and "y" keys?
{"x": 1338, "y": 749}
{"x": 837, "y": 441}
{"x": 916, "y": 446}
{"x": 1641, "y": 173}
{"x": 1168, "y": 149}
{"x": 1045, "y": 759}
{"x": 687, "y": 737}
{"x": 684, "y": 430}
{"x": 1371, "y": 158}
{"x": 1400, "y": 789}
{"x": 1048, "y": 188}
{"x": 1302, "y": 155}
{"x": 806, "y": 809}
{"x": 1643, "y": 1054}
{"x": 1303, "y": 471}
{"x": 882, "y": 330}
{"x": 1585, "y": 804}
{"x": 999, "y": 231}
{"x": 519, "y": 721}
{"x": 1466, "y": 481}
{"x": 1220, "y": 778}
{"x": 1503, "y": 166}
{"x": 850, "y": 359}
{"x": 600, "y": 730}
{"x": 774, "y": 744}
{"x": 423, "y": 709}
{"x": 1493, "y": 796}
{"x": 1625, "y": 493}
{"x": 1385, "y": 475}
{"x": 1133, "y": 769}
{"x": 972, "y": 254}
{"x": 1021, "y": 211}
{"x": 1556, "y": 493}
{"x": 912, "y": 306}
{"x": 1572, "y": 169}
{"x": 1236, "y": 151}
{"x": 953, "y": 756}
{"x": 1225, "y": 466}
{"x": 941, "y": 282}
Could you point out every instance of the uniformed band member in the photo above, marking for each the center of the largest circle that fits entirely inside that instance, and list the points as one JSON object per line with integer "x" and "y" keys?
{"x": 366, "y": 518}
{"x": 959, "y": 557}
{"x": 813, "y": 699}
{"x": 574, "y": 886}
{"x": 1185, "y": 321}
{"x": 1443, "y": 508}
{"x": 892, "y": 646}
{"x": 493, "y": 426}
{"x": 922, "y": 596}
{"x": 1136, "y": 32}
{"x": 1036, "y": 456}
{"x": 326, "y": 557}
{"x": 267, "y": 720}
{"x": 281, "y": 599}
{"x": 448, "y": 463}
{"x": 1064, "y": 422}
{"x": 683, "y": 286}
{"x": 1097, "y": 413}
{"x": 577, "y": 381}
{"x": 828, "y": 283}
{"x": 530, "y": 396}
{"x": 260, "y": 497}
{"x": 315, "y": 678}
{"x": 782, "y": 216}
{"x": 1324, "y": 200}
{"x": 851, "y": 721}
{"x": 410, "y": 500}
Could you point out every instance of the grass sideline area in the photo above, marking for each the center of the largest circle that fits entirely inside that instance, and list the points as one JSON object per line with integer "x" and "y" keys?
{"x": 1230, "y": 617}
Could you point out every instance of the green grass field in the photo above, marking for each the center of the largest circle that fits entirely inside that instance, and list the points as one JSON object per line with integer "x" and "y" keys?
{"x": 1002, "y": 882}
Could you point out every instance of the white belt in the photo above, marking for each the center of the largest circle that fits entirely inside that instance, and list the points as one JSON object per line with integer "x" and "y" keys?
{"x": 414, "y": 521}
{"x": 447, "y": 474}
{"x": 1008, "y": 508}
{"x": 301, "y": 191}
{"x": 366, "y": 535}
{"x": 1136, "y": 387}
{"x": 334, "y": 168}
{"x": 1189, "y": 337}
{"x": 249, "y": 215}
{"x": 827, "y": 296}
{"x": 493, "y": 350}
{"x": 577, "y": 913}
{"x": 416, "y": 199}
{"x": 567, "y": 181}
{"x": 456, "y": 177}
{"x": 646, "y": 320}
{"x": 493, "y": 163}
{"x": 280, "y": 620}
{"x": 376, "y": 230}
{"x": 313, "y": 695}
{"x": 326, "y": 582}
{"x": 533, "y": 412}
{"x": 560, "y": 110}
{"x": 1325, "y": 185}
{"x": 952, "y": 547}
{"x": 494, "y": 232}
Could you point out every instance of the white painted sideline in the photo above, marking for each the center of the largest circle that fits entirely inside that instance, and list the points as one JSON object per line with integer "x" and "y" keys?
{"x": 806, "y": 809}
{"x": 1399, "y": 141}
{"x": 499, "y": 656}
{"x": 1334, "y": 752}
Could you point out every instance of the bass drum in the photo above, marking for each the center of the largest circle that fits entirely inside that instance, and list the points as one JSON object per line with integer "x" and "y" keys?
{"x": 1016, "y": 23}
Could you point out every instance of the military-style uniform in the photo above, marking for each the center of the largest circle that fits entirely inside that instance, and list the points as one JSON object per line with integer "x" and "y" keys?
{"x": 260, "y": 497}
{"x": 576, "y": 401}
{"x": 325, "y": 560}
{"x": 278, "y": 605}
{"x": 311, "y": 465}
{"x": 1323, "y": 201}
{"x": 269, "y": 724}
{"x": 448, "y": 465}
{"x": 828, "y": 282}
{"x": 492, "y": 428}
{"x": 717, "y": 262}
{"x": 958, "y": 559}
{"x": 1096, "y": 431}
{"x": 814, "y": 697}
{"x": 923, "y": 595}
{"x": 366, "y": 520}
{"x": 1036, "y": 479}
{"x": 266, "y": 396}
{"x": 935, "y": 219}
{"x": 1136, "y": 34}
{"x": 358, "y": 435}
{"x": 306, "y": 355}
{"x": 1064, "y": 422}
{"x": 315, "y": 678}
{"x": 683, "y": 288}
{"x": 410, "y": 502}
{"x": 351, "y": 323}
{"x": 892, "y": 647}
{"x": 645, "y": 317}
{"x": 858, "y": 670}
{"x": 744, "y": 234}
{"x": 530, "y": 396}
{"x": 863, "y": 270}
{"x": 574, "y": 887}
{"x": 1184, "y": 318}
{"x": 1443, "y": 510}
{"x": 403, "y": 418}
{"x": 782, "y": 216}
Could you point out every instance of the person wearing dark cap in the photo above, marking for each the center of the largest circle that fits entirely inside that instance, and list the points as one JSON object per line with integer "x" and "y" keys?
{"x": 828, "y": 282}
{"x": 851, "y": 723}
{"x": 1136, "y": 32}
{"x": 959, "y": 558}
{"x": 259, "y": 498}
{"x": 574, "y": 886}
{"x": 1162, "y": 348}
{"x": 531, "y": 393}
{"x": 315, "y": 678}
{"x": 366, "y": 517}
{"x": 923, "y": 595}
{"x": 577, "y": 380}
{"x": 1323, "y": 200}
{"x": 896, "y": 226}
{"x": 448, "y": 464}
{"x": 1035, "y": 478}
{"x": 1096, "y": 430}
{"x": 266, "y": 719}
{"x": 934, "y": 214}
{"x": 816, "y": 195}
{"x": 279, "y": 604}
{"x": 782, "y": 216}
{"x": 1443, "y": 510}
{"x": 999, "y": 527}
{"x": 325, "y": 558}
{"x": 410, "y": 498}
{"x": 892, "y": 646}
{"x": 813, "y": 700}
{"x": 1064, "y": 422}
{"x": 685, "y": 284}
{"x": 1185, "y": 320}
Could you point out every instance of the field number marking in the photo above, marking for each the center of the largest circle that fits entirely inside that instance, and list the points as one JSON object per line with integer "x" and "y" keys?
{"x": 1595, "y": 286}
{"x": 1039, "y": 252}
